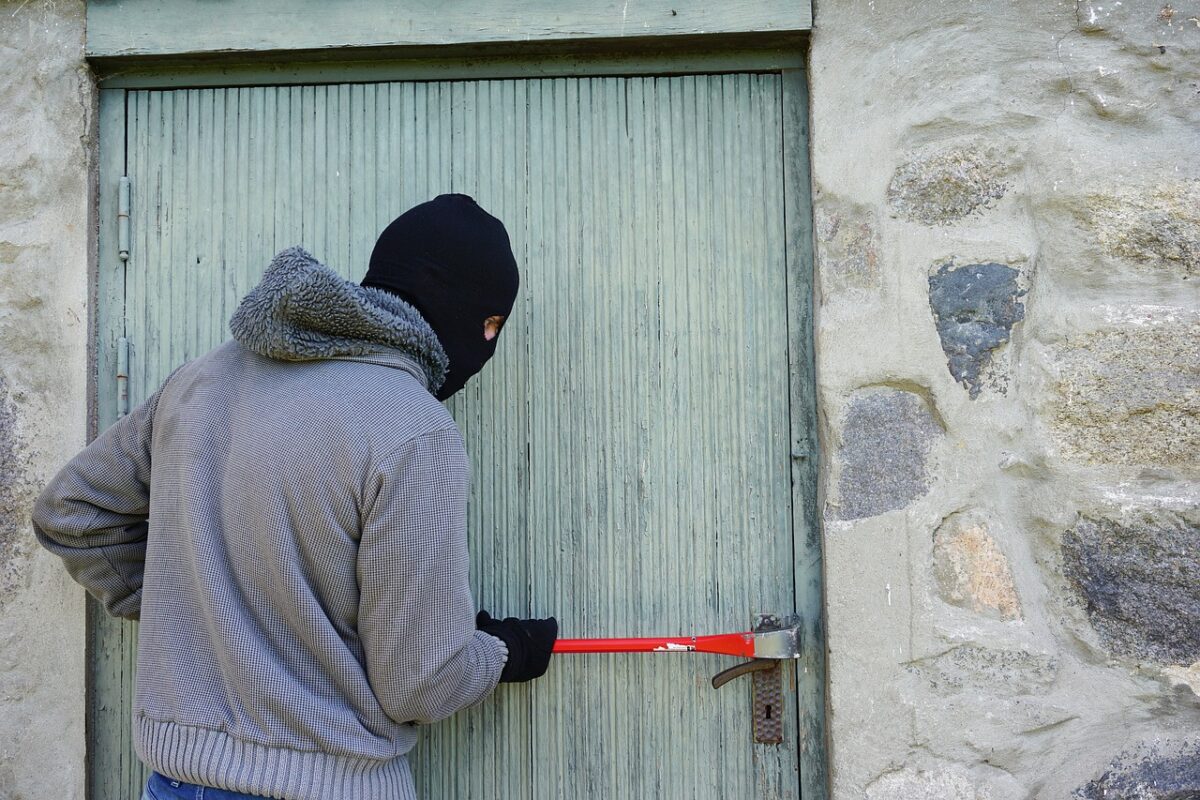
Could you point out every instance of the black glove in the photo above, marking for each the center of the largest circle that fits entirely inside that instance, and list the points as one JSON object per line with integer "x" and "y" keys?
{"x": 529, "y": 643}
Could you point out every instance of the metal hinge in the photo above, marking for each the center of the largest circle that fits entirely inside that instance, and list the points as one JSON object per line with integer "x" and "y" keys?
{"x": 123, "y": 219}
{"x": 122, "y": 376}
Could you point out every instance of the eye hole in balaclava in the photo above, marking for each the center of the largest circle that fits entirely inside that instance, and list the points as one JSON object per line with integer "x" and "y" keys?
{"x": 454, "y": 263}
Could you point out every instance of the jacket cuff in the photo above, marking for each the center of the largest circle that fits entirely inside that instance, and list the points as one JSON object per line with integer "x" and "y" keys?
{"x": 494, "y": 655}
{"x": 503, "y": 647}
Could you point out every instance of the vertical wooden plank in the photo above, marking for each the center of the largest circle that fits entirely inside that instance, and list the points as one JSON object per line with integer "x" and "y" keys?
{"x": 294, "y": 207}
{"x": 227, "y": 201}
{"x": 145, "y": 113}
{"x": 421, "y": 114}
{"x": 258, "y": 192}
{"x": 719, "y": 162}
{"x": 342, "y": 191}
{"x": 210, "y": 330}
{"x": 640, "y": 179}
{"x": 515, "y": 722}
{"x": 105, "y": 718}
{"x": 407, "y": 102}
{"x": 317, "y": 236}
{"x": 269, "y": 158}
{"x": 189, "y": 223}
{"x": 143, "y": 300}
{"x": 169, "y": 271}
{"x": 109, "y": 320}
{"x": 364, "y": 139}
{"x": 246, "y": 191}
{"x": 441, "y": 144}
{"x": 813, "y": 743}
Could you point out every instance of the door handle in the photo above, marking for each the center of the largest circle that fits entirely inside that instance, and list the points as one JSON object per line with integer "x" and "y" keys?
{"x": 745, "y": 668}
{"x": 767, "y": 689}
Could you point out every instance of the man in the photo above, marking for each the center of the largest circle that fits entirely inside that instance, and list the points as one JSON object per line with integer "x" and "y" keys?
{"x": 287, "y": 517}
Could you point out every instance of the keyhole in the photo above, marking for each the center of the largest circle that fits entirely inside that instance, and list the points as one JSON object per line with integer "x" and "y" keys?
{"x": 768, "y": 712}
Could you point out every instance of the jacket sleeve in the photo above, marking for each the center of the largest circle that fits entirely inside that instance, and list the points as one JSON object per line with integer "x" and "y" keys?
{"x": 93, "y": 514}
{"x": 416, "y": 620}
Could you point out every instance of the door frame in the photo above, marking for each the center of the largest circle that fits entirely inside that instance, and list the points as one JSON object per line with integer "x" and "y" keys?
{"x": 108, "y": 311}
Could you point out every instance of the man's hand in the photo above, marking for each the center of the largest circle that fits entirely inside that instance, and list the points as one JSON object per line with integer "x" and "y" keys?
{"x": 529, "y": 642}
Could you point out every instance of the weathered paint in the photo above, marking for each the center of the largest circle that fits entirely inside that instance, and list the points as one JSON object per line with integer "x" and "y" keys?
{"x": 148, "y": 27}
{"x": 632, "y": 442}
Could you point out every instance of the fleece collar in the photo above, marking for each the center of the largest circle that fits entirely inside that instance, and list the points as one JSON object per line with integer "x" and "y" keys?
{"x": 302, "y": 310}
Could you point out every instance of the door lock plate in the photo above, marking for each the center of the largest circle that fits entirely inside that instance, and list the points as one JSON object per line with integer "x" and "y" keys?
{"x": 766, "y": 689}
{"x": 768, "y": 705}
{"x": 768, "y": 692}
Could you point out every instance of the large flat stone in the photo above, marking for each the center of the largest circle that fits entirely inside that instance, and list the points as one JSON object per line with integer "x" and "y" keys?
{"x": 972, "y": 571}
{"x": 1157, "y": 226}
{"x": 1138, "y": 578}
{"x": 847, "y": 246}
{"x": 944, "y": 186}
{"x": 886, "y": 439}
{"x": 1138, "y": 239}
{"x": 1130, "y": 396}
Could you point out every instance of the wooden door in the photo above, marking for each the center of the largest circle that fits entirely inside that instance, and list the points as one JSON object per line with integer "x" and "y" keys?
{"x": 635, "y": 441}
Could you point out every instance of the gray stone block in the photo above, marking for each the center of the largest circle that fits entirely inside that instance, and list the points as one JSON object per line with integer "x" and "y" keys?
{"x": 1139, "y": 580}
{"x": 974, "y": 308}
{"x": 1130, "y": 396}
{"x": 886, "y": 439}
{"x": 1149, "y": 772}
{"x": 945, "y": 186}
{"x": 1157, "y": 226}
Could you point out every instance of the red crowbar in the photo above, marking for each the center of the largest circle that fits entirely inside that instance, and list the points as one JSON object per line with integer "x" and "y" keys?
{"x": 780, "y": 642}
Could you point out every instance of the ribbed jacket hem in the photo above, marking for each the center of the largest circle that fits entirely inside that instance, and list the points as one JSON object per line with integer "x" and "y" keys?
{"x": 214, "y": 758}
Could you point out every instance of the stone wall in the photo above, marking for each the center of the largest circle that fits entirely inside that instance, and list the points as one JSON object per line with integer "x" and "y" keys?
{"x": 47, "y": 158}
{"x": 1007, "y": 202}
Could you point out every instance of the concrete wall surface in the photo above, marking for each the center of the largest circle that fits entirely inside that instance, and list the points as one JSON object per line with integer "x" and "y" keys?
{"x": 1007, "y": 202}
{"x": 47, "y": 241}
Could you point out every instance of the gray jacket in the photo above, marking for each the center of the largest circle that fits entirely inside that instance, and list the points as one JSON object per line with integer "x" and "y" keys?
{"x": 287, "y": 517}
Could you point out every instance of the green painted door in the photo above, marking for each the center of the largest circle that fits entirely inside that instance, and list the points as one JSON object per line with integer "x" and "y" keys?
{"x": 635, "y": 443}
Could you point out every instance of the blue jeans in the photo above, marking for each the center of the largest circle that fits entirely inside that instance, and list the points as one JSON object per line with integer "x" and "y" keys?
{"x": 160, "y": 787}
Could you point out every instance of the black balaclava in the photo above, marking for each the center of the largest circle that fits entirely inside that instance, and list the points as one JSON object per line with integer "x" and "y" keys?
{"x": 451, "y": 260}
